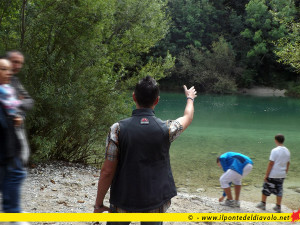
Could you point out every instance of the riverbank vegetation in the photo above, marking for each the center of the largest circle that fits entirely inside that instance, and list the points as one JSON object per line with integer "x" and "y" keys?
{"x": 256, "y": 40}
{"x": 81, "y": 56}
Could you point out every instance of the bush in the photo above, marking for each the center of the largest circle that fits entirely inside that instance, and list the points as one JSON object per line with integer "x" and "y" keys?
{"x": 224, "y": 86}
{"x": 210, "y": 70}
{"x": 294, "y": 90}
{"x": 82, "y": 57}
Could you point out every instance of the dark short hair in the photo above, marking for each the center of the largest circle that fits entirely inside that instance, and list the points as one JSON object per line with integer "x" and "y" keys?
{"x": 218, "y": 159}
{"x": 279, "y": 138}
{"x": 146, "y": 92}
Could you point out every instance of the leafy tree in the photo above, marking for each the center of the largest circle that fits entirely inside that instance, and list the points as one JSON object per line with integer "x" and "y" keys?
{"x": 200, "y": 23}
{"x": 259, "y": 20}
{"x": 288, "y": 53}
{"x": 194, "y": 22}
{"x": 9, "y": 24}
{"x": 81, "y": 58}
{"x": 211, "y": 71}
{"x": 263, "y": 29}
{"x": 288, "y": 47}
{"x": 237, "y": 5}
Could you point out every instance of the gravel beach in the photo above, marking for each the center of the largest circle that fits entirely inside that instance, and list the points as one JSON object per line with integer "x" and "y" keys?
{"x": 71, "y": 188}
{"x": 263, "y": 91}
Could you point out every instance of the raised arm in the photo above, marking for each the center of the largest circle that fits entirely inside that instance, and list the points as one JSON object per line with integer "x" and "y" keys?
{"x": 188, "y": 115}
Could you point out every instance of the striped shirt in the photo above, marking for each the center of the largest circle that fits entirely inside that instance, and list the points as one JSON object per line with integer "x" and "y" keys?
{"x": 9, "y": 99}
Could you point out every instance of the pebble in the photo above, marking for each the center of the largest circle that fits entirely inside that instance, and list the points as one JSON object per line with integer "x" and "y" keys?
{"x": 181, "y": 189}
{"x": 200, "y": 190}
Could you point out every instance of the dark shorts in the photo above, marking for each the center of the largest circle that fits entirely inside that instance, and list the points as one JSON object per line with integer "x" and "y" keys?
{"x": 273, "y": 186}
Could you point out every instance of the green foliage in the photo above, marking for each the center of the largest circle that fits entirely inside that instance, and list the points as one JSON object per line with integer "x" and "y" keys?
{"x": 259, "y": 23}
{"x": 81, "y": 58}
{"x": 211, "y": 71}
{"x": 194, "y": 22}
{"x": 247, "y": 78}
{"x": 9, "y": 24}
{"x": 294, "y": 90}
{"x": 262, "y": 29}
{"x": 251, "y": 26}
{"x": 288, "y": 47}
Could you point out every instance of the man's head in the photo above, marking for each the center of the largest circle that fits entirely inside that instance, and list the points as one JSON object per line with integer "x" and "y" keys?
{"x": 17, "y": 60}
{"x": 146, "y": 93}
{"x": 279, "y": 139}
{"x": 5, "y": 71}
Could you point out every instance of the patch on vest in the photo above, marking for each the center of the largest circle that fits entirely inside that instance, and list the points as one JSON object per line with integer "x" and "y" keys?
{"x": 144, "y": 121}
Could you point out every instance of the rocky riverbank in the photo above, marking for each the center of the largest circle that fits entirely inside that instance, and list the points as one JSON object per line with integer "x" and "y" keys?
{"x": 71, "y": 188}
{"x": 262, "y": 91}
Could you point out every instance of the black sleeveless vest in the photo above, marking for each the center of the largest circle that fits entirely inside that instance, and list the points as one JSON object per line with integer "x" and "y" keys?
{"x": 143, "y": 180}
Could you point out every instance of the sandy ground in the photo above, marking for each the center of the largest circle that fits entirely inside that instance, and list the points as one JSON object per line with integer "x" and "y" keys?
{"x": 262, "y": 91}
{"x": 71, "y": 188}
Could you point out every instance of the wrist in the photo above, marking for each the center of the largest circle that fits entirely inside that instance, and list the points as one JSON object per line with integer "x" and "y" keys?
{"x": 98, "y": 206}
{"x": 187, "y": 98}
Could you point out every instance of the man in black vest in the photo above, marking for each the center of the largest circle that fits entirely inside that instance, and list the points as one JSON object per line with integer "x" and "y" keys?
{"x": 137, "y": 161}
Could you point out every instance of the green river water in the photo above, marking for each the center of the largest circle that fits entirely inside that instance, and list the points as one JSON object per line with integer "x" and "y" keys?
{"x": 244, "y": 124}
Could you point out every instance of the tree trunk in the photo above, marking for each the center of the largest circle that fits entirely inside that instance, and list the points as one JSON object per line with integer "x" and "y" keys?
{"x": 23, "y": 29}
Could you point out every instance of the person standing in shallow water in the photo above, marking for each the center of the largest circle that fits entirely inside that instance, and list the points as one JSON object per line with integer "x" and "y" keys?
{"x": 277, "y": 170}
{"x": 235, "y": 166}
{"x": 137, "y": 162}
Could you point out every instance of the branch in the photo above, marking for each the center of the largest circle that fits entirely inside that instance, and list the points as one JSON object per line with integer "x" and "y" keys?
{"x": 23, "y": 30}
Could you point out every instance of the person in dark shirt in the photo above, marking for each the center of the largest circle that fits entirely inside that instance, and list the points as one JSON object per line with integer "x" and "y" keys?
{"x": 17, "y": 148}
{"x": 137, "y": 162}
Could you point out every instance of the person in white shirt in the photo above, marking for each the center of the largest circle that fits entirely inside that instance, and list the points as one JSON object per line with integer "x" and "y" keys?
{"x": 276, "y": 172}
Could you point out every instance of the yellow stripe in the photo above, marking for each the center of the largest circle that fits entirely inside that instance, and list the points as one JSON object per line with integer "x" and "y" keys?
{"x": 152, "y": 217}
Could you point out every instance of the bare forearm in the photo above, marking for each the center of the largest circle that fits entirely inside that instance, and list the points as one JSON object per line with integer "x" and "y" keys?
{"x": 270, "y": 166}
{"x": 287, "y": 167}
{"x": 189, "y": 111}
{"x": 103, "y": 186}
{"x": 106, "y": 176}
{"x": 188, "y": 114}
